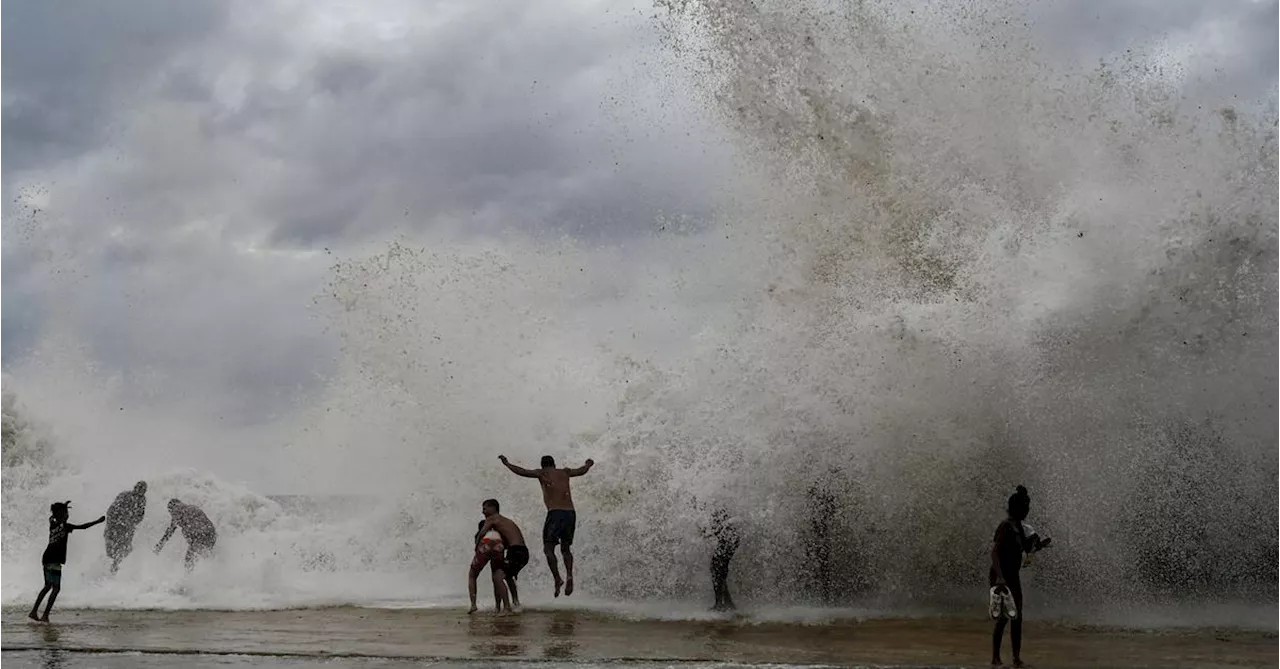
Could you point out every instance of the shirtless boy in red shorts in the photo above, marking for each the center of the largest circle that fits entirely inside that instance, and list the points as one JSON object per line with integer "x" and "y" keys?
{"x": 489, "y": 550}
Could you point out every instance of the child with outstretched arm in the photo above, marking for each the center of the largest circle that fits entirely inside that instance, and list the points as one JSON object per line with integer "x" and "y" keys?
{"x": 56, "y": 555}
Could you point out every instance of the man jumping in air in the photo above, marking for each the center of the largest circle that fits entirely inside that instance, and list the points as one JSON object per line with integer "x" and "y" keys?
{"x": 561, "y": 517}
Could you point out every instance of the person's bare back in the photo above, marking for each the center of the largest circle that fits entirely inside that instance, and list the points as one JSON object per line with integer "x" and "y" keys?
{"x": 511, "y": 534}
{"x": 556, "y": 494}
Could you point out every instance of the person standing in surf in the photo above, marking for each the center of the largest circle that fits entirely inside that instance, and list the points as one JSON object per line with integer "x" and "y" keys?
{"x": 725, "y": 534}
{"x": 517, "y": 555}
{"x": 197, "y": 529}
{"x": 562, "y": 519}
{"x": 1005, "y": 574}
{"x": 123, "y": 517}
{"x": 55, "y": 555}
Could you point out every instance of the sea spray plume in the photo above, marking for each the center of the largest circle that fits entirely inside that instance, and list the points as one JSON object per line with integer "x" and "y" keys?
{"x": 26, "y": 446}
{"x": 29, "y": 463}
{"x": 456, "y": 352}
{"x": 946, "y": 202}
{"x": 947, "y": 297}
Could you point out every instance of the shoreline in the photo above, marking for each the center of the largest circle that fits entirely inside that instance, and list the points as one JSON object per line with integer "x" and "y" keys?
{"x": 541, "y": 634}
{"x": 1246, "y": 617}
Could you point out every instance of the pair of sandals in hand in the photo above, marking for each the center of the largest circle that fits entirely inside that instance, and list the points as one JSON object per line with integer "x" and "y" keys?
{"x": 1001, "y": 602}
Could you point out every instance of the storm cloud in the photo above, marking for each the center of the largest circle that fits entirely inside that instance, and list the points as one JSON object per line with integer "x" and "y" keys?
{"x": 179, "y": 178}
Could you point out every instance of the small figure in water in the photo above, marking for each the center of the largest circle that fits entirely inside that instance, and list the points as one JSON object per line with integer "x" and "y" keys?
{"x": 517, "y": 555}
{"x": 1011, "y": 540}
{"x": 562, "y": 519}
{"x": 123, "y": 517}
{"x": 197, "y": 529}
{"x": 55, "y": 555}
{"x": 488, "y": 551}
{"x": 725, "y": 534}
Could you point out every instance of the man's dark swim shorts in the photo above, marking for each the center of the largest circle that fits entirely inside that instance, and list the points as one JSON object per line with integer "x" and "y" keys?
{"x": 559, "y": 527}
{"x": 517, "y": 558}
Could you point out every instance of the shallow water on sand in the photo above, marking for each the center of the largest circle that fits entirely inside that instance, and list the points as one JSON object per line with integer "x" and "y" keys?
{"x": 73, "y": 660}
{"x": 375, "y": 638}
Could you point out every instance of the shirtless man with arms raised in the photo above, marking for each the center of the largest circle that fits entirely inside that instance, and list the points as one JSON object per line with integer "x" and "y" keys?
{"x": 561, "y": 517}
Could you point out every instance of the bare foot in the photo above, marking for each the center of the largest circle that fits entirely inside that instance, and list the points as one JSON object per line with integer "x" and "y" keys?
{"x": 473, "y": 610}
{"x": 568, "y": 588}
{"x": 1018, "y": 663}
{"x": 559, "y": 584}
{"x": 504, "y": 613}
{"x": 44, "y": 618}
{"x": 34, "y": 616}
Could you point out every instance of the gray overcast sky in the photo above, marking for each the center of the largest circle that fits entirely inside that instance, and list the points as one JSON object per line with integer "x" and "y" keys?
{"x": 169, "y": 166}
{"x": 179, "y": 176}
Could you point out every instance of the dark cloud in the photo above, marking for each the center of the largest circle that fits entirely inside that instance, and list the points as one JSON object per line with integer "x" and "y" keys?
{"x": 69, "y": 65}
{"x": 507, "y": 120}
{"x": 188, "y": 157}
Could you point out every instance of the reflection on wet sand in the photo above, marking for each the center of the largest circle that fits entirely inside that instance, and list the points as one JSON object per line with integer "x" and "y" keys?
{"x": 510, "y": 636}
{"x": 54, "y": 658}
{"x": 719, "y": 638}
{"x": 560, "y": 636}
{"x": 497, "y": 636}
{"x": 565, "y": 635}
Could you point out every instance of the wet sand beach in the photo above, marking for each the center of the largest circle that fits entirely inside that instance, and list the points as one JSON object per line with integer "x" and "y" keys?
{"x": 364, "y": 637}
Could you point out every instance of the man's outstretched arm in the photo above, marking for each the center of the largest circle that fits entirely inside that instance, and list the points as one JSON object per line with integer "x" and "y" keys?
{"x": 517, "y": 470}
{"x": 579, "y": 471}
{"x": 167, "y": 533}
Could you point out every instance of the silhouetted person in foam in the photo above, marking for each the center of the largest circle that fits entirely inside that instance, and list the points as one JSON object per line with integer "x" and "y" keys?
{"x": 1010, "y": 542}
{"x": 822, "y": 508}
{"x": 123, "y": 517}
{"x": 196, "y": 529}
{"x": 55, "y": 555}
{"x": 725, "y": 534}
{"x": 562, "y": 519}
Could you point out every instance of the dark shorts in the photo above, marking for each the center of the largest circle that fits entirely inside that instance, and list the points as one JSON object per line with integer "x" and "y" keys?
{"x": 559, "y": 527}
{"x": 517, "y": 558}
{"x": 53, "y": 574}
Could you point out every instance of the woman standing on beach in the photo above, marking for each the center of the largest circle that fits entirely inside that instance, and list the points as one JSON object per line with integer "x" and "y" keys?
{"x": 1006, "y": 565}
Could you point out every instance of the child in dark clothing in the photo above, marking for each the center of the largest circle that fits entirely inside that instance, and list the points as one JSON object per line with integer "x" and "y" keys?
{"x": 56, "y": 555}
{"x": 1012, "y": 540}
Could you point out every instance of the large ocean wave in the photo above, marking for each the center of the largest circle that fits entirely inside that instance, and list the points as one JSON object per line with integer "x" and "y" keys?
{"x": 947, "y": 265}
